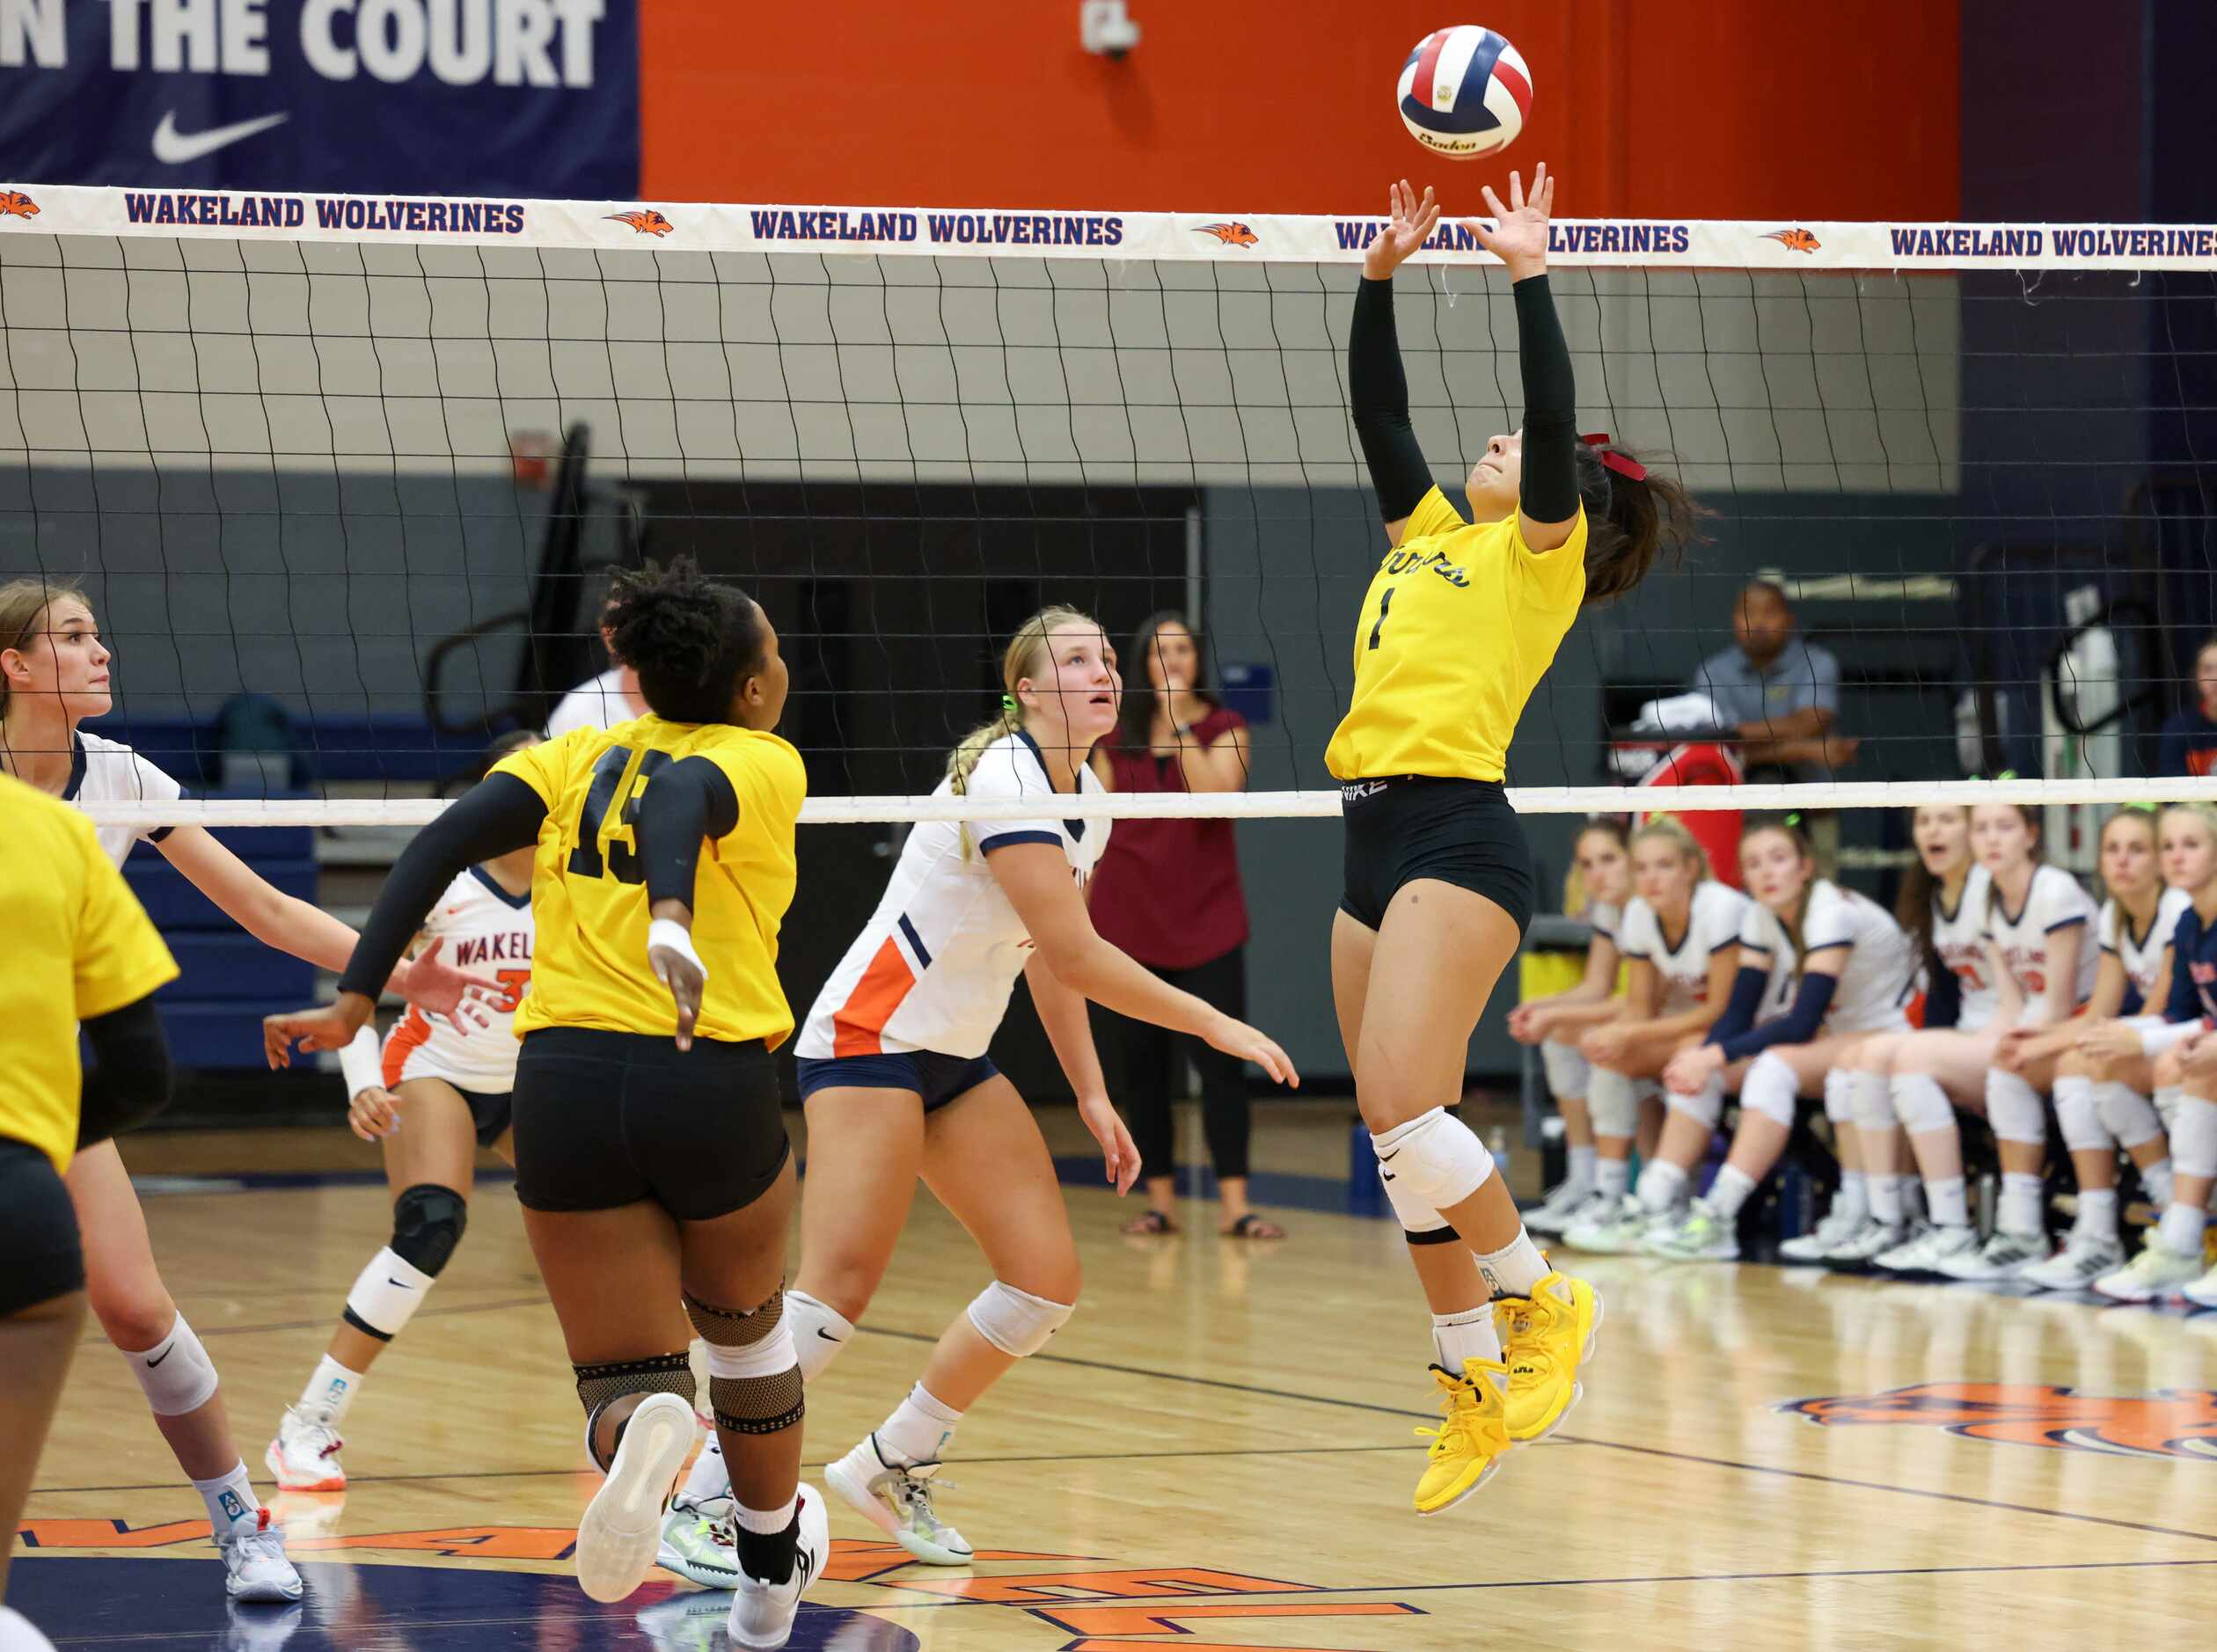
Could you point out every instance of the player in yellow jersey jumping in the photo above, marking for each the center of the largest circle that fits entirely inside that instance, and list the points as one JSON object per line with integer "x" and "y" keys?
{"x": 651, "y": 1158}
{"x": 80, "y": 949}
{"x": 1461, "y": 623}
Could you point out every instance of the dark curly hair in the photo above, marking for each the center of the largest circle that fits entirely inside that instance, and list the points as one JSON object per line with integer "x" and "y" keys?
{"x": 692, "y": 642}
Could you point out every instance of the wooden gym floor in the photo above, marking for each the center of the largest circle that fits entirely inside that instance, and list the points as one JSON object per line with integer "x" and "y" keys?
{"x": 1216, "y": 1454}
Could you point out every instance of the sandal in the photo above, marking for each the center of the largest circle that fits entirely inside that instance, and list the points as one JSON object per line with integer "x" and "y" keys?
{"x": 1251, "y": 1226}
{"x": 1152, "y": 1222}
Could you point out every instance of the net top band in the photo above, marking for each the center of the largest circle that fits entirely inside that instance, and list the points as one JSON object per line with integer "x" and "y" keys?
{"x": 1177, "y": 236}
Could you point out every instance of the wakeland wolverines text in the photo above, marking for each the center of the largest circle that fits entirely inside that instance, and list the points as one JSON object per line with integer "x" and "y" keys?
{"x": 333, "y": 212}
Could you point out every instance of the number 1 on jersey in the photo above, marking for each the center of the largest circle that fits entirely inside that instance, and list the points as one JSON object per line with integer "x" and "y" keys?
{"x": 1384, "y": 605}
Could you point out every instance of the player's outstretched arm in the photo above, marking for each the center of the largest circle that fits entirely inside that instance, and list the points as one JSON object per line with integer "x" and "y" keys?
{"x": 1548, "y": 507}
{"x": 1377, "y": 387}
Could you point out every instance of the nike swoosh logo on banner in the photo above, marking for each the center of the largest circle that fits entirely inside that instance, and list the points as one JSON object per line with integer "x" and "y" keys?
{"x": 173, "y": 148}
{"x": 159, "y": 1357}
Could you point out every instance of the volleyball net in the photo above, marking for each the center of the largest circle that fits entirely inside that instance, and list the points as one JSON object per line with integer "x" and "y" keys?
{"x": 343, "y": 478}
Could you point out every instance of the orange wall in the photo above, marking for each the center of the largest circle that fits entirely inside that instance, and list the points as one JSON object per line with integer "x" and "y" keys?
{"x": 1690, "y": 108}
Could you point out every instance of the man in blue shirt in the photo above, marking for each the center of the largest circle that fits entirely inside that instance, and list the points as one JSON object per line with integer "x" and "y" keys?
{"x": 1779, "y": 694}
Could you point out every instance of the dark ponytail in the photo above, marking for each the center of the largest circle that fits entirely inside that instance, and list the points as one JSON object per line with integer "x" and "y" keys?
{"x": 1630, "y": 520}
{"x": 692, "y": 642}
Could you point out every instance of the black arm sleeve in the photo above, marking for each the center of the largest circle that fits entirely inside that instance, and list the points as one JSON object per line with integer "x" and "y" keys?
{"x": 499, "y": 814}
{"x": 1797, "y": 1025}
{"x": 1377, "y": 396}
{"x": 131, "y": 1082}
{"x": 686, "y": 804}
{"x": 1550, "y": 485}
{"x": 1740, "y": 1009}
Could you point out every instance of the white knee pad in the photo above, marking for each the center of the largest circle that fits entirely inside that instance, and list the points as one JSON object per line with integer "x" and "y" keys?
{"x": 2193, "y": 1136}
{"x": 1419, "y": 1221}
{"x": 819, "y": 1331}
{"x": 1770, "y": 1089}
{"x": 1920, "y": 1104}
{"x": 2166, "y": 1100}
{"x": 772, "y": 1355}
{"x": 1705, "y": 1105}
{"x": 1569, "y": 1072}
{"x": 1840, "y": 1096}
{"x": 2014, "y": 1109}
{"x": 176, "y": 1372}
{"x": 1433, "y": 1158}
{"x": 1873, "y": 1103}
{"x": 2125, "y": 1114}
{"x": 1612, "y": 1102}
{"x": 1015, "y": 1321}
{"x": 2079, "y": 1115}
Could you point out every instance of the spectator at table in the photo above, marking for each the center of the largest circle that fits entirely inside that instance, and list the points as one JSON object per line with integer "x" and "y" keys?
{"x": 1778, "y": 693}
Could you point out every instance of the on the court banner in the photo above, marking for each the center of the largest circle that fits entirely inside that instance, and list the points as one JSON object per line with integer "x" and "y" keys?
{"x": 534, "y": 97}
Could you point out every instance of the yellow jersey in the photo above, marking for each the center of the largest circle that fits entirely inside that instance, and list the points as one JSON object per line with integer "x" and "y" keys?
{"x": 79, "y": 945}
{"x": 1459, "y": 624}
{"x": 589, "y": 891}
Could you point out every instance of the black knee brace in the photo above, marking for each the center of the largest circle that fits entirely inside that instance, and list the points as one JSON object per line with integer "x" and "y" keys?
{"x": 601, "y": 1386}
{"x": 754, "y": 1382}
{"x": 427, "y": 1222}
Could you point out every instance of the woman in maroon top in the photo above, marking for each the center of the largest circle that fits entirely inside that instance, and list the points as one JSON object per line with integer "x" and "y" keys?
{"x": 1167, "y": 892}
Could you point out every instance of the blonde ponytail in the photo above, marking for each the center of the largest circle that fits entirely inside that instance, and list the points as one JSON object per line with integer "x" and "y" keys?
{"x": 1023, "y": 657}
{"x": 24, "y": 606}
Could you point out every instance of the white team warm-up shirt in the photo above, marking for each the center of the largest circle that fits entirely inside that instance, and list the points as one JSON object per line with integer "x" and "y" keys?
{"x": 1880, "y": 975}
{"x": 2055, "y": 903}
{"x": 1607, "y": 920}
{"x": 2141, "y": 956}
{"x": 488, "y": 931}
{"x": 934, "y": 967}
{"x": 1958, "y": 938}
{"x": 109, "y": 771}
{"x": 598, "y": 703}
{"x": 1713, "y": 923}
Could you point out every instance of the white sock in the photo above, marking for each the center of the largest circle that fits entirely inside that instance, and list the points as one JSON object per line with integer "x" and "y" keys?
{"x": 331, "y": 1392}
{"x": 918, "y": 1429}
{"x": 1729, "y": 1192}
{"x": 1470, "y": 1334}
{"x": 2182, "y": 1229}
{"x": 2156, "y": 1181}
{"x": 708, "y": 1478}
{"x": 2096, "y": 1213}
{"x": 1515, "y": 1269}
{"x": 1946, "y": 1201}
{"x": 1854, "y": 1198}
{"x": 1662, "y": 1185}
{"x": 766, "y": 1523}
{"x": 231, "y": 1504}
{"x": 1582, "y": 1162}
{"x": 2019, "y": 1211}
{"x": 1884, "y": 1193}
{"x": 819, "y": 1331}
{"x": 1613, "y": 1177}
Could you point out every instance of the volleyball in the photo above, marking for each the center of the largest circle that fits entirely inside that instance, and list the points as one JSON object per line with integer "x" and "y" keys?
{"x": 1464, "y": 92}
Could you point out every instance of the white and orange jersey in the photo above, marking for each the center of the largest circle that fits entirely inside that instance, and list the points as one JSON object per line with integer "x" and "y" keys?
{"x": 1712, "y": 920}
{"x": 487, "y": 932}
{"x": 1959, "y": 940}
{"x": 934, "y": 967}
{"x": 2055, "y": 903}
{"x": 2141, "y": 956}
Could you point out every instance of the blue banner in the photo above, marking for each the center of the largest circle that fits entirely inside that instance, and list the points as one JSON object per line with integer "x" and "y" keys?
{"x": 536, "y": 97}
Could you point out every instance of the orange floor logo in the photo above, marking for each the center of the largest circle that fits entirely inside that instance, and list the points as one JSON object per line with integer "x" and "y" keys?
{"x": 2173, "y": 1422}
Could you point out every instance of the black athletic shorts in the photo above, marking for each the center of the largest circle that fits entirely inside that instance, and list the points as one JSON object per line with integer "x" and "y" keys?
{"x": 607, "y": 1119}
{"x": 490, "y": 1114}
{"x": 938, "y": 1079}
{"x": 1462, "y": 832}
{"x": 40, "y": 1256}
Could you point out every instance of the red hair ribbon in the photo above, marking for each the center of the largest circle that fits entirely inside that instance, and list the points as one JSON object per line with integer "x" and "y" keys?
{"x": 1623, "y": 464}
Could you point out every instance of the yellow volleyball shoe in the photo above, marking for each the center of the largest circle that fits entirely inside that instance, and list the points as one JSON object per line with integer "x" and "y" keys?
{"x": 1469, "y": 1442}
{"x": 1545, "y": 1338}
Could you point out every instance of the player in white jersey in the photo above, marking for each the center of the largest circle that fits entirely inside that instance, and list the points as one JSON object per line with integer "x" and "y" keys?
{"x": 1554, "y": 1022}
{"x": 2135, "y": 929}
{"x": 2041, "y": 959}
{"x": 451, "y": 1083}
{"x": 1680, "y": 941}
{"x": 897, "y": 1084}
{"x": 53, "y": 675}
{"x": 1850, "y": 973}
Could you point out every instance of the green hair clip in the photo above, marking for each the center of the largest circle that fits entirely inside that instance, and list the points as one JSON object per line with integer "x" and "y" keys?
{"x": 2141, "y": 808}
{"x": 1008, "y": 705}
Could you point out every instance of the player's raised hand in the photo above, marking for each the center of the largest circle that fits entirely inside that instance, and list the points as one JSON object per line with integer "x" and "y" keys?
{"x": 1409, "y": 222}
{"x": 1521, "y": 238}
